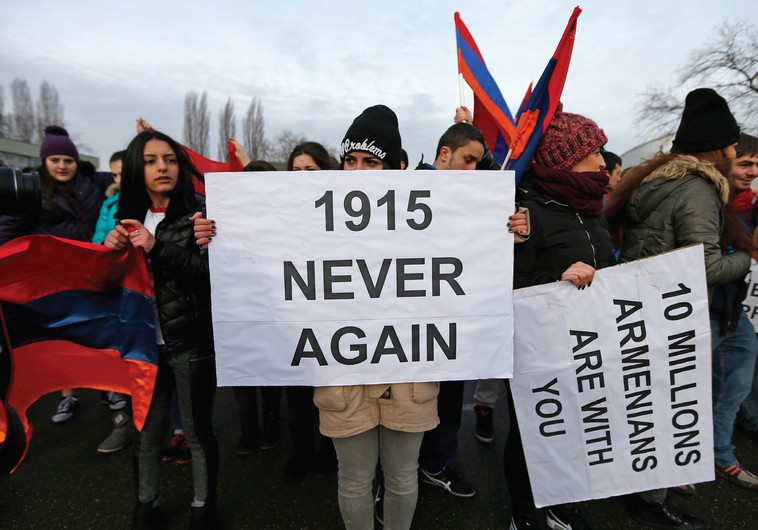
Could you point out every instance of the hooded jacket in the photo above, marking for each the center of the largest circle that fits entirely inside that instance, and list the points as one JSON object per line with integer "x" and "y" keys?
{"x": 682, "y": 203}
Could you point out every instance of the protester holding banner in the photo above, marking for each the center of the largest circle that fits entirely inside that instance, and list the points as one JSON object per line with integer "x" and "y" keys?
{"x": 676, "y": 200}
{"x": 70, "y": 205}
{"x": 741, "y": 176}
{"x": 461, "y": 147}
{"x": 370, "y": 423}
{"x": 155, "y": 211}
{"x": 563, "y": 191}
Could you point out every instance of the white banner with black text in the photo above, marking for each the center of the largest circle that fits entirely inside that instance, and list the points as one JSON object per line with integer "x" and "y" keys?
{"x": 612, "y": 383}
{"x": 326, "y": 278}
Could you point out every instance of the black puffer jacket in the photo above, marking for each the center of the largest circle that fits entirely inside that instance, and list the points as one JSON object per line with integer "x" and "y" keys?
{"x": 182, "y": 288}
{"x": 560, "y": 236}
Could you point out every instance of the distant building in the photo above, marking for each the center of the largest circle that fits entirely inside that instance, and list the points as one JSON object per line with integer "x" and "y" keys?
{"x": 22, "y": 154}
{"x": 648, "y": 150}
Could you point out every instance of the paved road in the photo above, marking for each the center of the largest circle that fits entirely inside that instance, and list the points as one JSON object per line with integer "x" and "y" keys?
{"x": 65, "y": 484}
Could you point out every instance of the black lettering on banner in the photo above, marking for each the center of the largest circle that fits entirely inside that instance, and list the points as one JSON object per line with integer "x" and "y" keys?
{"x": 590, "y": 360}
{"x": 445, "y": 270}
{"x": 549, "y": 408}
{"x": 682, "y": 358}
{"x": 396, "y": 348}
{"x": 362, "y": 213}
{"x": 360, "y": 349}
{"x": 434, "y": 338}
{"x": 330, "y": 278}
{"x": 308, "y": 288}
{"x": 307, "y": 337}
{"x": 402, "y": 276}
{"x": 450, "y": 277}
{"x": 374, "y": 288}
{"x": 596, "y": 419}
{"x": 635, "y": 367}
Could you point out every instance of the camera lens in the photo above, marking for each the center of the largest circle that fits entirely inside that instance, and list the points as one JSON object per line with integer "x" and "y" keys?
{"x": 19, "y": 191}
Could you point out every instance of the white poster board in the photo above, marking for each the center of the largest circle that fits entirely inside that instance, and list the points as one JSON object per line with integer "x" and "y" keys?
{"x": 612, "y": 384}
{"x": 340, "y": 278}
{"x": 750, "y": 303}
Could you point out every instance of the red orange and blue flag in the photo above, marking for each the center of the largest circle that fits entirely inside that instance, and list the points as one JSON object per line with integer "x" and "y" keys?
{"x": 78, "y": 316}
{"x": 491, "y": 113}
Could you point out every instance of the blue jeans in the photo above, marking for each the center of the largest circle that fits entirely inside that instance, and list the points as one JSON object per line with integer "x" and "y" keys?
{"x": 357, "y": 456}
{"x": 733, "y": 369}
{"x": 195, "y": 381}
{"x": 749, "y": 407}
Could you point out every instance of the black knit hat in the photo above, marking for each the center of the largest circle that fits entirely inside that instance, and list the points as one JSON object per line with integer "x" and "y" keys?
{"x": 707, "y": 123}
{"x": 375, "y": 131}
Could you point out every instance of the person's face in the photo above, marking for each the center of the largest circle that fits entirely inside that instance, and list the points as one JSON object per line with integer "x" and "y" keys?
{"x": 61, "y": 167}
{"x": 161, "y": 168}
{"x": 614, "y": 177}
{"x": 116, "y": 171}
{"x": 463, "y": 158}
{"x": 744, "y": 170}
{"x": 304, "y": 162}
{"x": 360, "y": 160}
{"x": 593, "y": 162}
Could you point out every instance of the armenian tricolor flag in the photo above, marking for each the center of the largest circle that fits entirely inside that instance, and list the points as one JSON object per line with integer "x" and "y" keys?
{"x": 491, "y": 113}
{"x": 78, "y": 315}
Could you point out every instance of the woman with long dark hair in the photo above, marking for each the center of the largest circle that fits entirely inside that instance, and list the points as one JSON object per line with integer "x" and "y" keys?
{"x": 155, "y": 211}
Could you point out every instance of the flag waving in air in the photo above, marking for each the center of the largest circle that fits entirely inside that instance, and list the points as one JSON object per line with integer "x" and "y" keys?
{"x": 534, "y": 116}
{"x": 78, "y": 315}
{"x": 514, "y": 140}
{"x": 206, "y": 165}
{"x": 491, "y": 113}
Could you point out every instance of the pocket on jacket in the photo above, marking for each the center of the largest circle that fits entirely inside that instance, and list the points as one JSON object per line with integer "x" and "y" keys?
{"x": 424, "y": 392}
{"x": 331, "y": 398}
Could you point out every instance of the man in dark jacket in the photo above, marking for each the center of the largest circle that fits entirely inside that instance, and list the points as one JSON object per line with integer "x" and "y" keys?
{"x": 673, "y": 201}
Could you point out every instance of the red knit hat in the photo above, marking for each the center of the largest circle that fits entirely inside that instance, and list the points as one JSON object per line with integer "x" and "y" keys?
{"x": 568, "y": 139}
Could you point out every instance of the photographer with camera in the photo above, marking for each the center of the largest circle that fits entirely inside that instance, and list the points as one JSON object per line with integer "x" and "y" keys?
{"x": 69, "y": 208}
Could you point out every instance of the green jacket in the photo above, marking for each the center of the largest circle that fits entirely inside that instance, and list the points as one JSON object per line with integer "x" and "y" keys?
{"x": 679, "y": 204}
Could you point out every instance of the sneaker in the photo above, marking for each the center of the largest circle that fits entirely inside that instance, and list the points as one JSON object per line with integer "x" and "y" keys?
{"x": 448, "y": 480}
{"x": 664, "y": 516}
{"x": 379, "y": 504}
{"x": 116, "y": 401}
{"x": 184, "y": 456}
{"x": 172, "y": 451}
{"x": 485, "y": 432}
{"x": 120, "y": 437}
{"x": 66, "y": 409}
{"x": 736, "y": 474}
{"x": 566, "y": 517}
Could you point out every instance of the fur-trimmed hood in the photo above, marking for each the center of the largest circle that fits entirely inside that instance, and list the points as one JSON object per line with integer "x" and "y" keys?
{"x": 687, "y": 165}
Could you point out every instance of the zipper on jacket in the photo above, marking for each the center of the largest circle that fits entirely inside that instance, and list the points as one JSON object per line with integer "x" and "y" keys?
{"x": 592, "y": 246}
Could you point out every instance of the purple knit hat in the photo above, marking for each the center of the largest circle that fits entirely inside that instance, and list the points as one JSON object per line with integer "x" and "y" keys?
{"x": 568, "y": 139}
{"x": 57, "y": 142}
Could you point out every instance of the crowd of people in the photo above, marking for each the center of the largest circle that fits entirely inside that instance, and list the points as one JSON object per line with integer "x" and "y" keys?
{"x": 576, "y": 213}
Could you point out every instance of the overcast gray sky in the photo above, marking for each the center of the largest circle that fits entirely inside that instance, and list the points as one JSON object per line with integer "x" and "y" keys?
{"x": 316, "y": 64}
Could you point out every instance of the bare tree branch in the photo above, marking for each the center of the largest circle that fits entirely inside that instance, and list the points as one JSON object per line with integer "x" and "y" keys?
{"x": 728, "y": 64}
{"x": 253, "y": 131}
{"x": 49, "y": 109}
{"x": 24, "y": 124}
{"x": 227, "y": 128}
{"x": 196, "y": 122}
{"x": 284, "y": 144}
